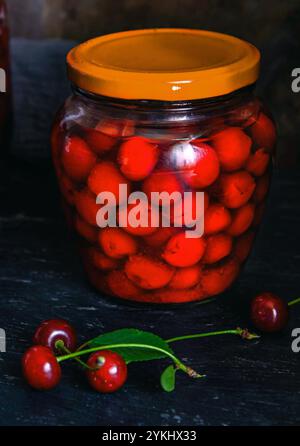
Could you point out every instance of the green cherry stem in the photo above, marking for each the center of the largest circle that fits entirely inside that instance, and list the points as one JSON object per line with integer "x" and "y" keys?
{"x": 61, "y": 346}
{"x": 178, "y": 364}
{"x": 244, "y": 333}
{"x": 293, "y": 302}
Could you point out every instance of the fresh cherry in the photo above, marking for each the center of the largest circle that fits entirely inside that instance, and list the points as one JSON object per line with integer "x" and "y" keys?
{"x": 110, "y": 373}
{"x": 40, "y": 368}
{"x": 51, "y": 331}
{"x": 269, "y": 313}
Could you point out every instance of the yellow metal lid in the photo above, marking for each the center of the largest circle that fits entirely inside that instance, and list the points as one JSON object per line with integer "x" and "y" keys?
{"x": 163, "y": 64}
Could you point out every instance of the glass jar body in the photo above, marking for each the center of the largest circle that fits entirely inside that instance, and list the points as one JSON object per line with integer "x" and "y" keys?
{"x": 208, "y": 163}
{"x": 5, "y": 90}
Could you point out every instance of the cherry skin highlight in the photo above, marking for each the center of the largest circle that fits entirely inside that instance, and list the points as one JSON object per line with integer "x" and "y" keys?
{"x": 53, "y": 330}
{"x": 269, "y": 313}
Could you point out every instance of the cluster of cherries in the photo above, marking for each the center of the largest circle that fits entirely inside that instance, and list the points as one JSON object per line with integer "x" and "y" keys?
{"x": 107, "y": 370}
{"x": 231, "y": 165}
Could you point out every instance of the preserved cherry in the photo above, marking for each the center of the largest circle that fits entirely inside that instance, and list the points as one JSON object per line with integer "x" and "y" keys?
{"x": 160, "y": 242}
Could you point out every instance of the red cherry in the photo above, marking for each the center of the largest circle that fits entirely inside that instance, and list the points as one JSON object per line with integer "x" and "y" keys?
{"x": 99, "y": 141}
{"x": 100, "y": 260}
{"x": 111, "y": 373}
{"x": 40, "y": 368}
{"x": 161, "y": 236}
{"x": 182, "y": 251}
{"x": 241, "y": 219}
{"x": 161, "y": 181}
{"x": 142, "y": 212}
{"x": 137, "y": 158}
{"x": 233, "y": 148}
{"x": 217, "y": 279}
{"x": 116, "y": 243}
{"x": 148, "y": 273}
{"x": 216, "y": 219}
{"x": 264, "y": 132}
{"x": 105, "y": 176}
{"x": 85, "y": 203}
{"x": 106, "y": 134}
{"x": 186, "y": 277}
{"x": 258, "y": 162}
{"x": 218, "y": 247}
{"x": 235, "y": 189}
{"x": 269, "y": 313}
{"x": 85, "y": 230}
{"x": 168, "y": 296}
{"x": 121, "y": 286}
{"x": 77, "y": 159}
{"x": 53, "y": 330}
{"x": 202, "y": 167}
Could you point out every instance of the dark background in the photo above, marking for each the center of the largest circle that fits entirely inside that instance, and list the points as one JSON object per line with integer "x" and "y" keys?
{"x": 248, "y": 383}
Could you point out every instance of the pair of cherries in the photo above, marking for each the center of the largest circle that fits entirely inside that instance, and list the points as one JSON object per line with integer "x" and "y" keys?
{"x": 107, "y": 371}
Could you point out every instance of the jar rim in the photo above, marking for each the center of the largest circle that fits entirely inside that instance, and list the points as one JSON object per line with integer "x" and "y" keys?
{"x": 165, "y": 64}
{"x": 229, "y": 100}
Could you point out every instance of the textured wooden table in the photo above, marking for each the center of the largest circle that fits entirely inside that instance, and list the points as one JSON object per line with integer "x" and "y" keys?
{"x": 255, "y": 383}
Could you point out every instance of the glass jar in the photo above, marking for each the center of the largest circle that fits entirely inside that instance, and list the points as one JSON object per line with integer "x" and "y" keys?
{"x": 4, "y": 72}
{"x": 163, "y": 159}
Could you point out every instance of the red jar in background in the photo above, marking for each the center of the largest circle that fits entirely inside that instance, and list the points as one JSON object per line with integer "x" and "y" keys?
{"x": 5, "y": 96}
{"x": 164, "y": 111}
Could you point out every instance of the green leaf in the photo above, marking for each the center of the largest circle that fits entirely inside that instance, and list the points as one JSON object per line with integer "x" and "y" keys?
{"x": 133, "y": 336}
{"x": 167, "y": 379}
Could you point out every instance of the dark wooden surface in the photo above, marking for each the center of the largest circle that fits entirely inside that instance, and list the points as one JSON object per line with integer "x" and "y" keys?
{"x": 248, "y": 383}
